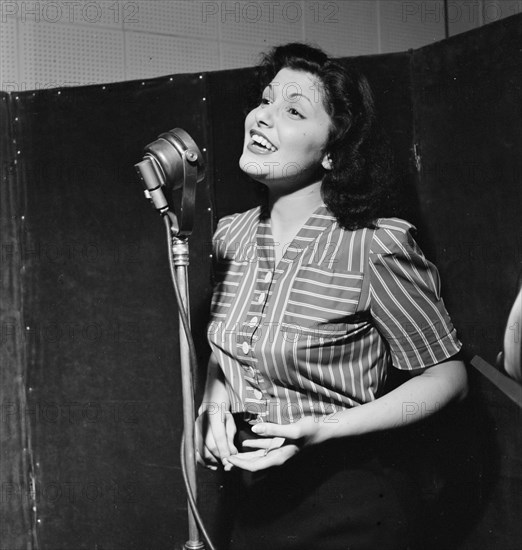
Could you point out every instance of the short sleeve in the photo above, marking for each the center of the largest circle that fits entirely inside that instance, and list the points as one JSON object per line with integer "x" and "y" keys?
{"x": 219, "y": 241}
{"x": 405, "y": 301}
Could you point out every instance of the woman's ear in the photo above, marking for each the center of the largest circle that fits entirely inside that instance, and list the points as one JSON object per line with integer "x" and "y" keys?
{"x": 327, "y": 162}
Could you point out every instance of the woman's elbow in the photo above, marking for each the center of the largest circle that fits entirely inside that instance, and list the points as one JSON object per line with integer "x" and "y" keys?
{"x": 459, "y": 381}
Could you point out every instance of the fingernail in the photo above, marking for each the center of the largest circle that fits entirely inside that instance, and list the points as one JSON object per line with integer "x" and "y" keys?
{"x": 258, "y": 429}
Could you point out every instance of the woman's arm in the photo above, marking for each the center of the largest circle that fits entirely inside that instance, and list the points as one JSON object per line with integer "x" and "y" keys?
{"x": 215, "y": 393}
{"x": 215, "y": 427}
{"x": 419, "y": 397}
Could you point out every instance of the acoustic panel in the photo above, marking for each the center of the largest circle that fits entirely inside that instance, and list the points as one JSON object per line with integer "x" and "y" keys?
{"x": 9, "y": 59}
{"x": 343, "y": 28}
{"x": 234, "y": 55}
{"x": 261, "y": 22}
{"x": 181, "y": 18}
{"x": 53, "y": 55}
{"x": 409, "y": 25}
{"x": 463, "y": 16}
{"x": 152, "y": 55}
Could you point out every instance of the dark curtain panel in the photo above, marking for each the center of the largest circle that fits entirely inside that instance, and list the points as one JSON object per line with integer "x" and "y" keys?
{"x": 101, "y": 318}
{"x": 467, "y": 94}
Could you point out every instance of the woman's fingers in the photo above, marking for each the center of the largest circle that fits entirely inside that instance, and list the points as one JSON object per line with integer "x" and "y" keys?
{"x": 223, "y": 432}
{"x": 257, "y": 443}
{"x": 204, "y": 455}
{"x": 215, "y": 436}
{"x": 230, "y": 430}
{"x": 290, "y": 431}
{"x": 211, "y": 440}
{"x": 268, "y": 444}
{"x": 211, "y": 465}
{"x": 254, "y": 461}
{"x": 307, "y": 430}
{"x": 209, "y": 451}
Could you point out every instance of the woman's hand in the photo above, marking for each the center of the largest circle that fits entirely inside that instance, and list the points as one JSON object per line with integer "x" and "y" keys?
{"x": 215, "y": 431}
{"x": 279, "y": 443}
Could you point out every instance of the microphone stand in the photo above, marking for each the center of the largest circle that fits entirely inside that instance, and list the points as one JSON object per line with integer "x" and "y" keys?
{"x": 175, "y": 158}
{"x": 179, "y": 259}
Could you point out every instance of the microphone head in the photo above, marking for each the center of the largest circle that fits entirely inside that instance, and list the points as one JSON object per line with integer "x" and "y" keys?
{"x": 169, "y": 152}
{"x": 175, "y": 162}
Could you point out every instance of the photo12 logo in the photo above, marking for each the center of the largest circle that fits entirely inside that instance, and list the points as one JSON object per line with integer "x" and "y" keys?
{"x": 253, "y": 12}
{"x": 70, "y": 11}
{"x": 475, "y": 12}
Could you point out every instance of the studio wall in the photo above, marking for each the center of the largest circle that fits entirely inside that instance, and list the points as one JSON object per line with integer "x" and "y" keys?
{"x": 90, "y": 364}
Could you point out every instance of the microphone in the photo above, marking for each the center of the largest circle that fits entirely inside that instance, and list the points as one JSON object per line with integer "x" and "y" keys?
{"x": 173, "y": 162}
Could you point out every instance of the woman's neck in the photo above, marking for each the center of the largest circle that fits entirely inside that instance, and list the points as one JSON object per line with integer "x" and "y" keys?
{"x": 288, "y": 213}
{"x": 295, "y": 208}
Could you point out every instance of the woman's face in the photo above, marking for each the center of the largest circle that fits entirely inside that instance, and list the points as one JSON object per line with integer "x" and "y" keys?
{"x": 286, "y": 134}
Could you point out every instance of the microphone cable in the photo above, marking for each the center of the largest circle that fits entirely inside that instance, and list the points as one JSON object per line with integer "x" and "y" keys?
{"x": 193, "y": 362}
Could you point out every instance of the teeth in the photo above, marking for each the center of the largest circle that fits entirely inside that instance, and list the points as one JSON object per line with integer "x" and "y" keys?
{"x": 263, "y": 142}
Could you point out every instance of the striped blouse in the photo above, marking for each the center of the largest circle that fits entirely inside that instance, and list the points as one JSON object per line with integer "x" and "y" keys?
{"x": 317, "y": 332}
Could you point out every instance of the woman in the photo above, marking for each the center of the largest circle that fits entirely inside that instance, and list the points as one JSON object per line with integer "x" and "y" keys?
{"x": 317, "y": 297}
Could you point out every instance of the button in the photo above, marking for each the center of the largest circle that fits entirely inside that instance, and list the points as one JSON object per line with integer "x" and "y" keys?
{"x": 268, "y": 277}
{"x": 254, "y": 321}
{"x": 245, "y": 347}
{"x": 261, "y": 298}
{"x": 258, "y": 394}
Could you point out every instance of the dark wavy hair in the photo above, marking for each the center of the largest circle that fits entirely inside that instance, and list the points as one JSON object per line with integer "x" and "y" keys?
{"x": 361, "y": 186}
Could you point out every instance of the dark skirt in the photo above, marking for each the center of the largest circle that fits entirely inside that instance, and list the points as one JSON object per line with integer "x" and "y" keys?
{"x": 344, "y": 494}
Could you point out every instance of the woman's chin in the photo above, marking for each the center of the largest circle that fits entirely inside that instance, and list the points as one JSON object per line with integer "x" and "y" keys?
{"x": 252, "y": 167}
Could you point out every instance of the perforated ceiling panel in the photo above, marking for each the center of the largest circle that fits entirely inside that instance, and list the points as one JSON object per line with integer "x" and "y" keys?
{"x": 405, "y": 25}
{"x": 154, "y": 55}
{"x": 343, "y": 28}
{"x": 66, "y": 55}
{"x": 8, "y": 59}
{"x": 262, "y": 22}
{"x": 176, "y": 18}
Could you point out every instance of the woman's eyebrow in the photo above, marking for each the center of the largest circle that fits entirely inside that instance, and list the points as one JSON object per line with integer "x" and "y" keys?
{"x": 297, "y": 94}
{"x": 289, "y": 96}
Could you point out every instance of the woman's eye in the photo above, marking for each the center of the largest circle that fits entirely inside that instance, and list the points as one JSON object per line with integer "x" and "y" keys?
{"x": 295, "y": 112}
{"x": 265, "y": 101}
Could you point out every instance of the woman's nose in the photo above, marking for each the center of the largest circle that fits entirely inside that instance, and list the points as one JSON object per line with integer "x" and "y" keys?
{"x": 264, "y": 115}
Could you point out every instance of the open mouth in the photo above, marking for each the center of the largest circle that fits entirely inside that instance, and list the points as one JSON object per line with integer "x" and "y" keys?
{"x": 262, "y": 143}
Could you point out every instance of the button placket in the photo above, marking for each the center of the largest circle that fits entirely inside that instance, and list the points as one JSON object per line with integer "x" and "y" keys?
{"x": 254, "y": 318}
